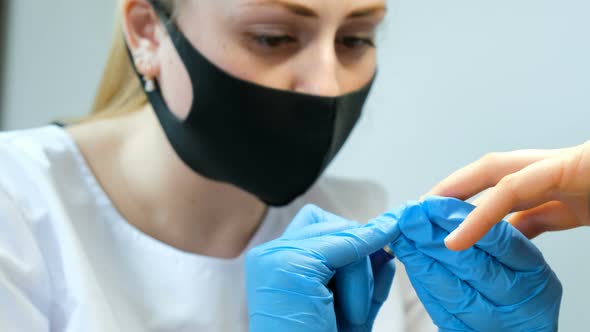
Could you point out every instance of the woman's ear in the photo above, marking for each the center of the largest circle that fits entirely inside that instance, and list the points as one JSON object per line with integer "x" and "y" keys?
{"x": 141, "y": 25}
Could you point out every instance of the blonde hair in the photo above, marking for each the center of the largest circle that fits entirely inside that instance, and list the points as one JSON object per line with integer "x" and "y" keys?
{"x": 120, "y": 90}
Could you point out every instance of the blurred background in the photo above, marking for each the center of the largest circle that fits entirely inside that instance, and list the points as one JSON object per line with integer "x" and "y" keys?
{"x": 457, "y": 79}
{"x": 3, "y": 33}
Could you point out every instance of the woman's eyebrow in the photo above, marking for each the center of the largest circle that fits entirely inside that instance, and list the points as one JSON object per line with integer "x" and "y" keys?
{"x": 368, "y": 11}
{"x": 304, "y": 11}
{"x": 292, "y": 7}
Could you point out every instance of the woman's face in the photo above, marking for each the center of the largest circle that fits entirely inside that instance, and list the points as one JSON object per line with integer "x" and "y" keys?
{"x": 316, "y": 47}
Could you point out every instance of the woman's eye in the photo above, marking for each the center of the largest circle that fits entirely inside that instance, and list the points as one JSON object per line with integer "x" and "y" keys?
{"x": 275, "y": 41}
{"x": 353, "y": 42}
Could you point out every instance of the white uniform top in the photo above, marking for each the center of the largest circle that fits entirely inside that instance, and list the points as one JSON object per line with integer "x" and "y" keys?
{"x": 70, "y": 262}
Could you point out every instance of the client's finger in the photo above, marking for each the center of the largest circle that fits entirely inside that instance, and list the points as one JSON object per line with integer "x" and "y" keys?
{"x": 487, "y": 172}
{"x": 552, "y": 216}
{"x": 530, "y": 184}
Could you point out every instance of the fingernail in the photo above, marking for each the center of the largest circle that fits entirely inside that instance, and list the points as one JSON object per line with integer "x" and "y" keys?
{"x": 451, "y": 236}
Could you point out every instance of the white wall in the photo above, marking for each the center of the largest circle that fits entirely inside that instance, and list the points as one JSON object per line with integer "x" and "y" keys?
{"x": 53, "y": 59}
{"x": 461, "y": 78}
{"x": 3, "y": 35}
{"x": 457, "y": 79}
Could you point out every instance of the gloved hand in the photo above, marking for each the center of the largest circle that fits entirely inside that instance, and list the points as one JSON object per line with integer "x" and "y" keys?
{"x": 287, "y": 279}
{"x": 501, "y": 284}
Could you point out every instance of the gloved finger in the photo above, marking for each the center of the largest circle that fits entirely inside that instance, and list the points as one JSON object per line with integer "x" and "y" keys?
{"x": 447, "y": 299}
{"x": 353, "y": 291}
{"x": 311, "y": 214}
{"x": 319, "y": 230}
{"x": 503, "y": 242}
{"x": 358, "y": 293}
{"x": 346, "y": 247}
{"x": 552, "y": 216}
{"x": 305, "y": 223}
{"x": 383, "y": 274}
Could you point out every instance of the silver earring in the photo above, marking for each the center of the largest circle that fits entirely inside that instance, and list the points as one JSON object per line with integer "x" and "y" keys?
{"x": 150, "y": 85}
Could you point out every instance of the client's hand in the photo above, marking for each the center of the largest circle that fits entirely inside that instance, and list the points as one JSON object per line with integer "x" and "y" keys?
{"x": 549, "y": 190}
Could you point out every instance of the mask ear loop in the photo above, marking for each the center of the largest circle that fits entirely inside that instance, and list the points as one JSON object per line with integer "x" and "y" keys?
{"x": 191, "y": 58}
{"x": 164, "y": 14}
{"x": 166, "y": 18}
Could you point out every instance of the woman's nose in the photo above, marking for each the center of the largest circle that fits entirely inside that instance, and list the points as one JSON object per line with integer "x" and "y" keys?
{"x": 317, "y": 72}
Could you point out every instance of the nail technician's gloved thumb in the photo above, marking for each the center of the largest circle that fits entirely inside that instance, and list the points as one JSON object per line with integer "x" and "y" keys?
{"x": 287, "y": 279}
{"x": 501, "y": 284}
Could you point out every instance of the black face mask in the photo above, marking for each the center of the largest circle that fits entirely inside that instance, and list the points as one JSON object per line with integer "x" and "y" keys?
{"x": 272, "y": 143}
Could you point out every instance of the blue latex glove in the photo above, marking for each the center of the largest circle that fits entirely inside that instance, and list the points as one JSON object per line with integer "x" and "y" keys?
{"x": 501, "y": 284}
{"x": 287, "y": 279}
